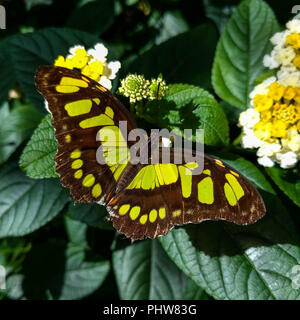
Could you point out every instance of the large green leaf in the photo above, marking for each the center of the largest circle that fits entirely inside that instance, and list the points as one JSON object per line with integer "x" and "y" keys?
{"x": 288, "y": 181}
{"x": 189, "y": 107}
{"x": 93, "y": 215}
{"x": 240, "y": 50}
{"x": 37, "y": 159}
{"x": 31, "y": 50}
{"x": 26, "y": 204}
{"x": 16, "y": 126}
{"x": 194, "y": 292}
{"x": 144, "y": 272}
{"x": 54, "y": 271}
{"x": 186, "y": 58}
{"x": 95, "y": 16}
{"x": 240, "y": 262}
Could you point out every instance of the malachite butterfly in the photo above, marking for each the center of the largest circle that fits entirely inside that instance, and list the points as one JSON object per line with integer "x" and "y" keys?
{"x": 143, "y": 200}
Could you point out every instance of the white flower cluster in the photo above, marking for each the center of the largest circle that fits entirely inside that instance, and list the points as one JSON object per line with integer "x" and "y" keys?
{"x": 258, "y": 122}
{"x": 284, "y": 56}
{"x": 99, "y": 53}
{"x": 285, "y": 152}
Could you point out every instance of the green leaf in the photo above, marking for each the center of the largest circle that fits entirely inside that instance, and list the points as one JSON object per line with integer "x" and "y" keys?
{"x": 144, "y": 272}
{"x": 37, "y": 159}
{"x": 31, "y": 50}
{"x": 93, "y": 215}
{"x": 27, "y": 205}
{"x": 12, "y": 253}
{"x": 232, "y": 114}
{"x": 194, "y": 292}
{"x": 264, "y": 76}
{"x": 33, "y": 3}
{"x": 218, "y": 14}
{"x": 172, "y": 23}
{"x": 186, "y": 106}
{"x": 76, "y": 231}
{"x": 58, "y": 272}
{"x": 186, "y": 58}
{"x": 94, "y": 16}
{"x": 240, "y": 262}
{"x": 240, "y": 50}
{"x": 288, "y": 181}
{"x": 16, "y": 126}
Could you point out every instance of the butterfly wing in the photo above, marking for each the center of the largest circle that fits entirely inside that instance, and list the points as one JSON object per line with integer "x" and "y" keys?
{"x": 161, "y": 196}
{"x": 82, "y": 113}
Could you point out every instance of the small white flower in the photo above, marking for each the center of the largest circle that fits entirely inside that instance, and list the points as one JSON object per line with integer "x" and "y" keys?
{"x": 278, "y": 39}
{"x": 292, "y": 141}
{"x": 166, "y": 142}
{"x": 72, "y": 50}
{"x": 294, "y": 26}
{"x": 111, "y": 69}
{"x": 105, "y": 82}
{"x": 99, "y": 52}
{"x": 289, "y": 76}
{"x": 266, "y": 161}
{"x": 287, "y": 160}
{"x": 270, "y": 62}
{"x": 114, "y": 66}
{"x": 249, "y": 118}
{"x": 249, "y": 139}
{"x": 285, "y": 56}
{"x": 268, "y": 149}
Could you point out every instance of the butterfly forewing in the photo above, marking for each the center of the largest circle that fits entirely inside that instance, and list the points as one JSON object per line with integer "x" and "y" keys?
{"x": 82, "y": 109}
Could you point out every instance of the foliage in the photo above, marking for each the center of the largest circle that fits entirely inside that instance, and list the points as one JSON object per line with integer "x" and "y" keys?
{"x": 55, "y": 249}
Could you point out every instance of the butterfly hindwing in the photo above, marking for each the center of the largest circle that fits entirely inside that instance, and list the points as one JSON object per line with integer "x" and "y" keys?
{"x": 82, "y": 109}
{"x": 151, "y": 207}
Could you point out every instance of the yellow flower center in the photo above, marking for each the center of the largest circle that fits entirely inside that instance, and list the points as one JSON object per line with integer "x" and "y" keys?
{"x": 279, "y": 111}
{"x": 279, "y": 129}
{"x": 293, "y": 40}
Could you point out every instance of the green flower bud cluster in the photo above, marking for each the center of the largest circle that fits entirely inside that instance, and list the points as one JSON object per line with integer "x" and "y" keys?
{"x": 157, "y": 88}
{"x": 136, "y": 87}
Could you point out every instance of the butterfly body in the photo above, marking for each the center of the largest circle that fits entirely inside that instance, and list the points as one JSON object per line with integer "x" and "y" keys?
{"x": 144, "y": 200}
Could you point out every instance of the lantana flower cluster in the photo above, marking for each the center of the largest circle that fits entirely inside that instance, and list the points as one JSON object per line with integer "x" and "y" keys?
{"x": 272, "y": 124}
{"x": 92, "y": 63}
{"x": 137, "y": 87}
